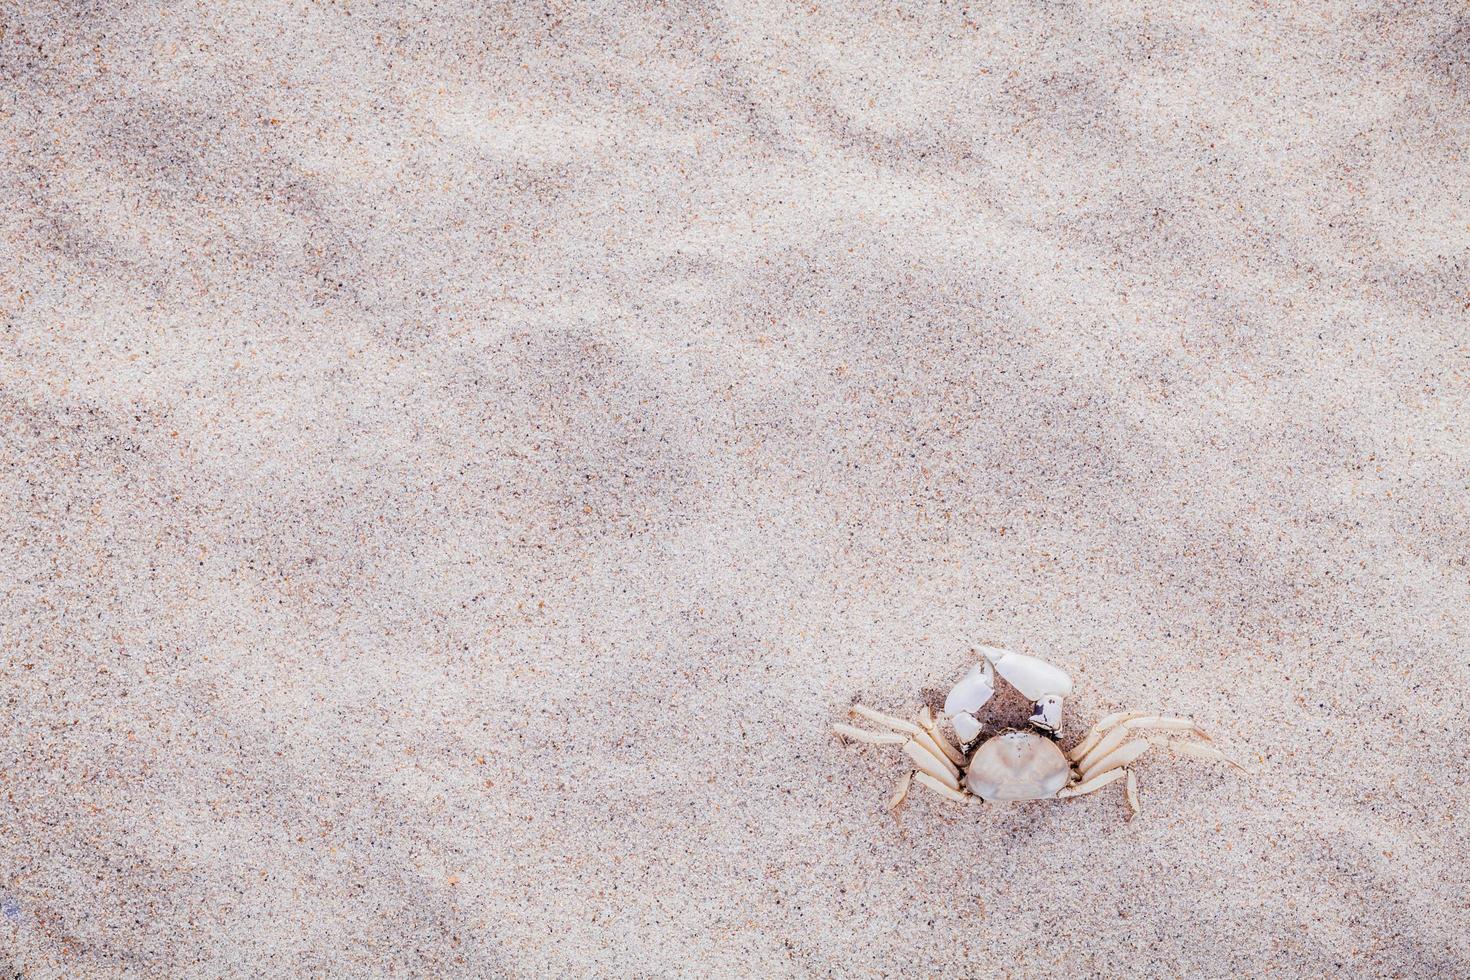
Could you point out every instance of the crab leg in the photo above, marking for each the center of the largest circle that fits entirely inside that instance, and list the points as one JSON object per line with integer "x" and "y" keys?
{"x": 925, "y": 747}
{"x": 1131, "y": 791}
{"x": 934, "y": 742}
{"x": 926, "y": 721}
{"x": 931, "y": 745}
{"x": 1085, "y": 746}
{"x": 1123, "y": 755}
{"x": 888, "y": 721}
{"x": 1116, "y": 737}
{"x": 936, "y": 766}
{"x": 927, "y": 737}
{"x": 872, "y": 738}
{"x": 931, "y": 783}
{"x": 901, "y": 791}
{"x": 1197, "y": 751}
{"x": 1163, "y": 724}
{"x": 1107, "y": 744}
{"x": 928, "y": 752}
{"x": 1091, "y": 785}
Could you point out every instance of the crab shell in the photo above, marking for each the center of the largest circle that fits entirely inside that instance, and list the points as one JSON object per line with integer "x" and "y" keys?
{"x": 1017, "y": 765}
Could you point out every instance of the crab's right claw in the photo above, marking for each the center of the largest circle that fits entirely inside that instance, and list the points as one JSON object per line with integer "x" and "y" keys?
{"x": 972, "y": 692}
{"x": 1047, "y": 713}
{"x": 1032, "y": 676}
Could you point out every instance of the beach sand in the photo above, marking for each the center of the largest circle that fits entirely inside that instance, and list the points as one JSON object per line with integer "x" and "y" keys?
{"x": 457, "y": 461}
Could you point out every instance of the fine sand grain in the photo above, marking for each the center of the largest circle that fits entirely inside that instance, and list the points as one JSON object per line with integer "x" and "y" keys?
{"x": 457, "y": 461}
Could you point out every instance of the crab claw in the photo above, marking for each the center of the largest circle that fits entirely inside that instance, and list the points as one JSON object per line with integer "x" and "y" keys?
{"x": 1032, "y": 676}
{"x": 1047, "y": 713}
{"x": 1036, "y": 679}
{"x": 966, "y": 726}
{"x": 972, "y": 692}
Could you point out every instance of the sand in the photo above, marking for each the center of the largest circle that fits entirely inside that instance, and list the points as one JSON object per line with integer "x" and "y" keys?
{"x": 458, "y": 460}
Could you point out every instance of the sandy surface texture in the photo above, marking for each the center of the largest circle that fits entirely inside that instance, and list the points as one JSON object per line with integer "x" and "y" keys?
{"x": 458, "y": 460}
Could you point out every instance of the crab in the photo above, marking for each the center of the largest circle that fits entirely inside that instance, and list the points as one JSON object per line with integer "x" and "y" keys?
{"x": 1024, "y": 764}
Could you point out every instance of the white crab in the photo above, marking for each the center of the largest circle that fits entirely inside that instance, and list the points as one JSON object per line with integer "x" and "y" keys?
{"x": 1022, "y": 764}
